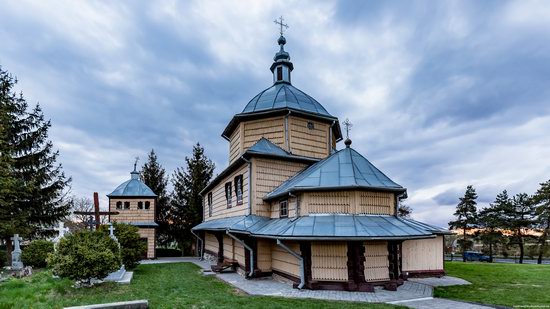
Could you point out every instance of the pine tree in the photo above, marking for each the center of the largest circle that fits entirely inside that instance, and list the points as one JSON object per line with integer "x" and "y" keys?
{"x": 542, "y": 211}
{"x": 186, "y": 206}
{"x": 466, "y": 213}
{"x": 491, "y": 220}
{"x": 518, "y": 218}
{"x": 154, "y": 176}
{"x": 33, "y": 195}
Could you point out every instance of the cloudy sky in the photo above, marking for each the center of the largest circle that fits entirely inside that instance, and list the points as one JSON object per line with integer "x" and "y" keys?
{"x": 442, "y": 94}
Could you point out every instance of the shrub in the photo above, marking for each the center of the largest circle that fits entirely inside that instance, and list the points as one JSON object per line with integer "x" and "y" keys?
{"x": 131, "y": 247}
{"x": 85, "y": 255}
{"x": 36, "y": 253}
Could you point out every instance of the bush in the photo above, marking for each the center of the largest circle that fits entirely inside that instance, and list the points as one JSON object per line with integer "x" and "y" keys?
{"x": 131, "y": 247}
{"x": 36, "y": 253}
{"x": 85, "y": 255}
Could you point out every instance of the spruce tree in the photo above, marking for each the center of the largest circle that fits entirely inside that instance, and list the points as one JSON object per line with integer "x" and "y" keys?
{"x": 491, "y": 220}
{"x": 154, "y": 176}
{"x": 29, "y": 167}
{"x": 542, "y": 211}
{"x": 186, "y": 205}
{"x": 519, "y": 217}
{"x": 466, "y": 216}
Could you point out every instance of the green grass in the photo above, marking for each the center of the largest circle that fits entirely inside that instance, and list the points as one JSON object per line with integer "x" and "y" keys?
{"x": 178, "y": 285}
{"x": 499, "y": 284}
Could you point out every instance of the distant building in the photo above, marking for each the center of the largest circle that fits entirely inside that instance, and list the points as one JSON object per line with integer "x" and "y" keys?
{"x": 136, "y": 203}
{"x": 290, "y": 204}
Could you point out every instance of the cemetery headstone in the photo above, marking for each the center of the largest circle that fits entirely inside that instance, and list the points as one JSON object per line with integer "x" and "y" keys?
{"x": 16, "y": 263}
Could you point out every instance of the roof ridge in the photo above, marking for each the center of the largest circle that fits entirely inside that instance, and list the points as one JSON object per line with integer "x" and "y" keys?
{"x": 275, "y": 98}
{"x": 371, "y": 166}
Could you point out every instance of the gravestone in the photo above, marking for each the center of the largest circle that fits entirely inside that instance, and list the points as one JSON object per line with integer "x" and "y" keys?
{"x": 16, "y": 263}
{"x": 61, "y": 230}
{"x": 119, "y": 274}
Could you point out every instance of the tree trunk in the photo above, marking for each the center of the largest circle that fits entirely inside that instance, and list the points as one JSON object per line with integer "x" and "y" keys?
{"x": 520, "y": 243}
{"x": 542, "y": 246}
{"x": 490, "y": 252}
{"x": 9, "y": 249}
{"x": 464, "y": 245}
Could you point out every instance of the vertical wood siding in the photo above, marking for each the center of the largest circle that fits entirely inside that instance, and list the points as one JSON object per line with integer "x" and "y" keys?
{"x": 283, "y": 261}
{"x": 272, "y": 129}
{"x": 329, "y": 261}
{"x": 376, "y": 203}
{"x": 308, "y": 142}
{"x": 211, "y": 243}
{"x": 150, "y": 235}
{"x": 376, "y": 261}
{"x": 345, "y": 202}
{"x": 228, "y": 247}
{"x": 291, "y": 208}
{"x": 133, "y": 214}
{"x": 235, "y": 145}
{"x": 423, "y": 254}
{"x": 267, "y": 175}
{"x": 264, "y": 254}
{"x": 239, "y": 253}
{"x": 219, "y": 203}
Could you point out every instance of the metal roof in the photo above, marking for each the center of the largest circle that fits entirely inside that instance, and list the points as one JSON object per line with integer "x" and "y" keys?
{"x": 325, "y": 227}
{"x": 132, "y": 187}
{"x": 143, "y": 223}
{"x": 266, "y": 147}
{"x": 284, "y": 96}
{"x": 344, "y": 169}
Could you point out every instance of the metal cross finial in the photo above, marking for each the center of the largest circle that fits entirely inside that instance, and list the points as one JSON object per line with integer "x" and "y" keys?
{"x": 135, "y": 163}
{"x": 281, "y": 24}
{"x": 348, "y": 126}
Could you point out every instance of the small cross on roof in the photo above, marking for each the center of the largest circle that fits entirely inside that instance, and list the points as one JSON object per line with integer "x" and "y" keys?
{"x": 279, "y": 22}
{"x": 348, "y": 125}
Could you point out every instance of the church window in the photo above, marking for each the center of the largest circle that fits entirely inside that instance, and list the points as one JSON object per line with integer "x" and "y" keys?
{"x": 210, "y": 204}
{"x": 239, "y": 189}
{"x": 140, "y": 205}
{"x": 126, "y": 205}
{"x": 228, "y": 193}
{"x": 283, "y": 209}
{"x": 279, "y": 73}
{"x": 119, "y": 205}
{"x": 147, "y": 205}
{"x": 310, "y": 125}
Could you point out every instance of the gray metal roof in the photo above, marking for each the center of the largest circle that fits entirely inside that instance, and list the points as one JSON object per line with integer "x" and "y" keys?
{"x": 284, "y": 96}
{"x": 266, "y": 147}
{"x": 143, "y": 223}
{"x": 344, "y": 169}
{"x": 132, "y": 187}
{"x": 325, "y": 227}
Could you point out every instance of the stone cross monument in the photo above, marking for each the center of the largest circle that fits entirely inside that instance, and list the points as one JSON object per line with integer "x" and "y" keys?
{"x": 61, "y": 229}
{"x": 16, "y": 263}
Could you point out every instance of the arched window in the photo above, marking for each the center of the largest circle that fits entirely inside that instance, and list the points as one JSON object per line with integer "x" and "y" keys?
{"x": 126, "y": 205}
{"x": 239, "y": 189}
{"x": 140, "y": 205}
{"x": 147, "y": 204}
{"x": 119, "y": 205}
{"x": 228, "y": 193}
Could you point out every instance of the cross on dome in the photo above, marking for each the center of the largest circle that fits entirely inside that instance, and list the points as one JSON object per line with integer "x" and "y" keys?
{"x": 348, "y": 125}
{"x": 281, "y": 25}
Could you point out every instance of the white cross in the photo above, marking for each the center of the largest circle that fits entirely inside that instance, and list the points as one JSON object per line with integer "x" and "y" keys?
{"x": 16, "y": 240}
{"x": 61, "y": 229}
{"x": 111, "y": 229}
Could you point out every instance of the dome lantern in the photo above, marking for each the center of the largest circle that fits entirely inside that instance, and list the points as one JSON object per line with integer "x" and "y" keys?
{"x": 281, "y": 66}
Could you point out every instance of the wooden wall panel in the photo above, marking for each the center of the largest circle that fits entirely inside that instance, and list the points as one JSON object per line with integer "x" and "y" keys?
{"x": 292, "y": 210}
{"x": 336, "y": 202}
{"x": 239, "y": 253}
{"x": 329, "y": 261}
{"x": 228, "y": 247}
{"x": 210, "y": 243}
{"x": 272, "y": 129}
{"x": 235, "y": 145}
{"x": 269, "y": 174}
{"x": 148, "y": 233}
{"x": 264, "y": 254}
{"x": 283, "y": 261}
{"x": 133, "y": 214}
{"x": 376, "y": 261}
{"x": 376, "y": 203}
{"x": 423, "y": 254}
{"x": 308, "y": 142}
{"x": 219, "y": 203}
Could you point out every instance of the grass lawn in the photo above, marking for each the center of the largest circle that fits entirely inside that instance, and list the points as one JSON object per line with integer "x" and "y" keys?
{"x": 499, "y": 284}
{"x": 178, "y": 285}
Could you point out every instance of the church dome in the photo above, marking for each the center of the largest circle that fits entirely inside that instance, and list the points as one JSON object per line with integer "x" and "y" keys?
{"x": 133, "y": 187}
{"x": 284, "y": 96}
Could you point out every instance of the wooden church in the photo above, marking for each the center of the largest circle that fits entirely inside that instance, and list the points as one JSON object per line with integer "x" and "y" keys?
{"x": 293, "y": 206}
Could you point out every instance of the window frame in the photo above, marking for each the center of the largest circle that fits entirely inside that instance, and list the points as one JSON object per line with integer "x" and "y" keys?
{"x": 126, "y": 203}
{"x": 239, "y": 189}
{"x": 285, "y": 214}
{"x": 119, "y": 205}
{"x": 209, "y": 202}
{"x": 140, "y": 205}
{"x": 228, "y": 194}
{"x": 147, "y": 205}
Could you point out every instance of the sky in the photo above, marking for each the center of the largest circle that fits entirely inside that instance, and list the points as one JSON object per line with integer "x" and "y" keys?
{"x": 442, "y": 94}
